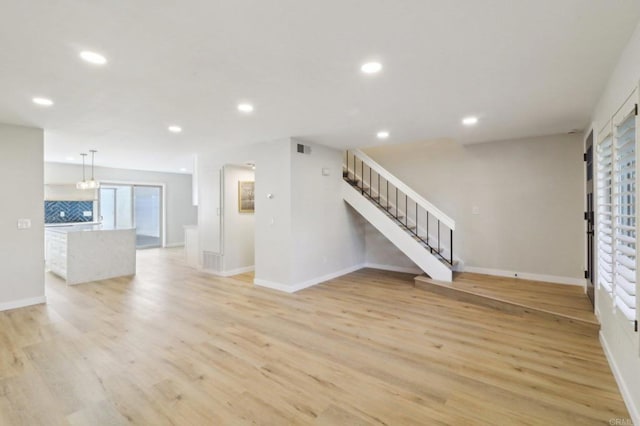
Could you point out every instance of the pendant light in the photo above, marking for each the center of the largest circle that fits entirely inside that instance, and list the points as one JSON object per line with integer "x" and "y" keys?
{"x": 93, "y": 184}
{"x": 83, "y": 183}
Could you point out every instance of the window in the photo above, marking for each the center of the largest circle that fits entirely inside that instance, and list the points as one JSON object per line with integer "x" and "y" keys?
{"x": 605, "y": 212}
{"x": 624, "y": 196}
{"x": 616, "y": 214}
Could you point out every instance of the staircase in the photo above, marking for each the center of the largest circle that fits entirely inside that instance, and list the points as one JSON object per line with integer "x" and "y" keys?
{"x": 414, "y": 225}
{"x": 425, "y": 235}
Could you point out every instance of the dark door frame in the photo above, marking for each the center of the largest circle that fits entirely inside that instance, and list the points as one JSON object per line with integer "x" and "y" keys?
{"x": 589, "y": 216}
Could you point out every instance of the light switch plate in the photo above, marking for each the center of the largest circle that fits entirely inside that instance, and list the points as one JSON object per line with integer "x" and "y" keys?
{"x": 24, "y": 223}
{"x": 475, "y": 210}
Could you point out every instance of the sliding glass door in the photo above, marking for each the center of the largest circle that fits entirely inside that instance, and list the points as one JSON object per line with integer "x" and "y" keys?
{"x": 115, "y": 206}
{"x": 130, "y": 205}
{"x": 148, "y": 215}
{"x": 108, "y": 207}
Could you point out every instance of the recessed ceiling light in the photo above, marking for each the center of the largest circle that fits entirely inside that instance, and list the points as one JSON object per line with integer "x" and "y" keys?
{"x": 93, "y": 57}
{"x": 69, "y": 158}
{"x": 175, "y": 129}
{"x": 470, "y": 121}
{"x": 183, "y": 169}
{"x": 371, "y": 67}
{"x": 42, "y": 101}
{"x": 383, "y": 134}
{"x": 245, "y": 107}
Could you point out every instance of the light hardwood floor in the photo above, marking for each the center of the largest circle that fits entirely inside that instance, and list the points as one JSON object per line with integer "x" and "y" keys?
{"x": 175, "y": 346}
{"x": 567, "y": 300}
{"x": 566, "y": 304}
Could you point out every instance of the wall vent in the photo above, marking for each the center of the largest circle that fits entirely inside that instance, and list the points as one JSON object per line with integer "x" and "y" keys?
{"x": 211, "y": 261}
{"x": 303, "y": 149}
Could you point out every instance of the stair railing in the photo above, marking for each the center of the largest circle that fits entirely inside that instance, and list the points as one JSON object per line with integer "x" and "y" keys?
{"x": 391, "y": 194}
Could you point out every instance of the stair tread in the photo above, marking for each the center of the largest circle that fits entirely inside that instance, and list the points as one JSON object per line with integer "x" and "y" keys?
{"x": 515, "y": 295}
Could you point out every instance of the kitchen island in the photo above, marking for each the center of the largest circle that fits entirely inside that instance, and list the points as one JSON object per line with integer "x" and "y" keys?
{"x": 85, "y": 253}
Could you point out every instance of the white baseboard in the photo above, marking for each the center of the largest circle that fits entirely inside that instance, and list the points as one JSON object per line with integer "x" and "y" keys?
{"x": 228, "y": 273}
{"x": 305, "y": 284}
{"x": 22, "y": 303}
{"x": 393, "y": 268}
{"x": 274, "y": 285}
{"x": 632, "y": 406}
{"x": 527, "y": 276}
{"x": 174, "y": 245}
{"x": 237, "y": 271}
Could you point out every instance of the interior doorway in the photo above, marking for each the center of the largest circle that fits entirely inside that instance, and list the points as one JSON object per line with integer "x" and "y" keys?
{"x": 134, "y": 205}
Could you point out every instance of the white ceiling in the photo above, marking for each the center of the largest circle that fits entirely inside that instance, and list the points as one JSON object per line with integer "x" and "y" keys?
{"x": 525, "y": 67}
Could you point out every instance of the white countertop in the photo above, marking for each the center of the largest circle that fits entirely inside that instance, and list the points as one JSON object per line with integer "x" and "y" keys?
{"x": 54, "y": 225}
{"x": 85, "y": 228}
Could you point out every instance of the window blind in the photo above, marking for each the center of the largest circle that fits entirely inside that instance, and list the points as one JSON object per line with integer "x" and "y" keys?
{"x": 624, "y": 224}
{"x": 605, "y": 214}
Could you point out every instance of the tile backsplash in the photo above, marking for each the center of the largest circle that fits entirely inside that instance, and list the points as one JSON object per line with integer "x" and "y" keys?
{"x": 68, "y": 211}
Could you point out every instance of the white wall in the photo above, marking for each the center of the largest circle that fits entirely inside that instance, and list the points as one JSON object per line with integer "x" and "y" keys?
{"x": 624, "y": 78}
{"x": 620, "y": 341}
{"x": 305, "y": 233}
{"x": 327, "y": 235}
{"x": 21, "y": 251}
{"x": 529, "y": 194}
{"x": 380, "y": 253}
{"x": 209, "y": 195}
{"x": 272, "y": 217}
{"x": 180, "y": 210}
{"x": 239, "y": 228}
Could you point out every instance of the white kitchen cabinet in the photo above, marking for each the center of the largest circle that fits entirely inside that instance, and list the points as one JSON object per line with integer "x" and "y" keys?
{"x": 68, "y": 192}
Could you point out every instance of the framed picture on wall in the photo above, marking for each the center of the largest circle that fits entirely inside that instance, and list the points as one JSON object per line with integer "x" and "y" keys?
{"x": 246, "y": 197}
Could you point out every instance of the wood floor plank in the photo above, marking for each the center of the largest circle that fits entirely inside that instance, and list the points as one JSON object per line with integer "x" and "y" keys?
{"x": 176, "y": 346}
{"x": 100, "y": 413}
{"x": 565, "y": 300}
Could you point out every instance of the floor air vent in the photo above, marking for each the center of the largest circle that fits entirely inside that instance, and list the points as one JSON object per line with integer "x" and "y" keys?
{"x": 211, "y": 261}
